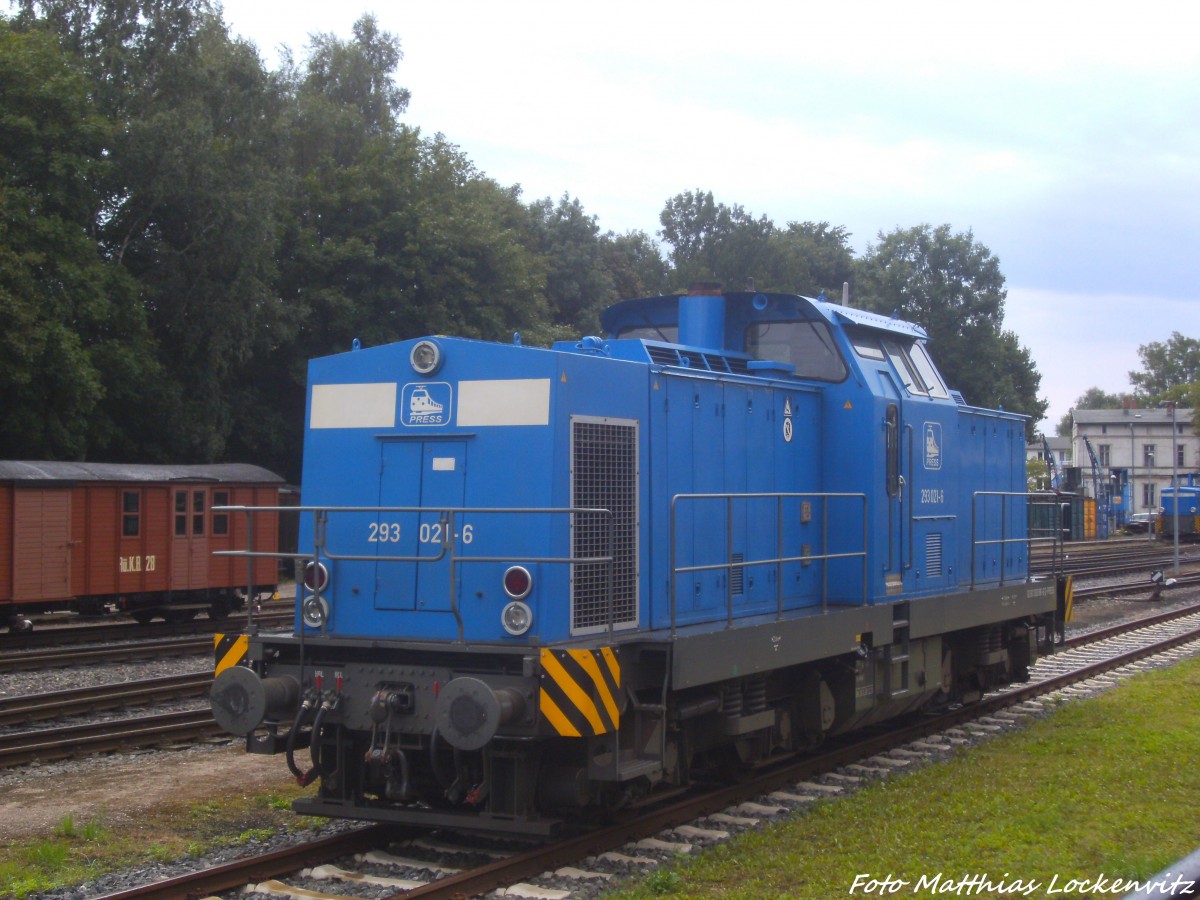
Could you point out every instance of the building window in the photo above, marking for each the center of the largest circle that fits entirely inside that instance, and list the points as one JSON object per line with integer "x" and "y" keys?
{"x": 1148, "y": 455}
{"x": 1105, "y": 455}
{"x": 1179, "y": 455}
{"x": 130, "y": 513}
{"x": 1148, "y": 494}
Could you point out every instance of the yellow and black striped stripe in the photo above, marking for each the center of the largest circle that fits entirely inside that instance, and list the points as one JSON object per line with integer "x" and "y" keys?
{"x": 229, "y": 650}
{"x": 1066, "y": 598}
{"x": 579, "y": 691}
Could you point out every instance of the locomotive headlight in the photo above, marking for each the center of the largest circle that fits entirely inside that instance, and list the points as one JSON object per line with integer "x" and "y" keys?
{"x": 314, "y": 611}
{"x": 517, "y": 618}
{"x": 425, "y": 358}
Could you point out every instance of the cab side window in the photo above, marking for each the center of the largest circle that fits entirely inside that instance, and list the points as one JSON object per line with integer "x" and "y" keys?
{"x": 808, "y": 346}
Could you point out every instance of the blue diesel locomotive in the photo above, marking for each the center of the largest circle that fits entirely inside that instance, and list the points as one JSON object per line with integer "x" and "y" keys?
{"x": 548, "y": 581}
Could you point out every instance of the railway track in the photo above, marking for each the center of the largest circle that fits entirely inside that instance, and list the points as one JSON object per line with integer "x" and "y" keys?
{"x": 96, "y": 698}
{"x": 72, "y": 634}
{"x": 633, "y": 842}
{"x": 126, "y": 650}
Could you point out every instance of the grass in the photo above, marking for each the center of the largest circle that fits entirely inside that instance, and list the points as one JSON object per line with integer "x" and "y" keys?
{"x": 1103, "y": 787}
{"x": 75, "y": 852}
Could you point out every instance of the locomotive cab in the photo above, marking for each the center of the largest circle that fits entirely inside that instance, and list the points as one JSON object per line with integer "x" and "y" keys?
{"x": 543, "y": 581}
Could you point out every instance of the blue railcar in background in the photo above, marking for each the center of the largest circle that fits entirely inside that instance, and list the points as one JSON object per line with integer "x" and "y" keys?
{"x": 546, "y": 581}
{"x": 1181, "y": 502}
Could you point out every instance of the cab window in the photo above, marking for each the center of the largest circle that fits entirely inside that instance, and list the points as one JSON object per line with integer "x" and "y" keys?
{"x": 904, "y": 368}
{"x": 915, "y": 369}
{"x": 668, "y": 334}
{"x": 928, "y": 372}
{"x": 806, "y": 345}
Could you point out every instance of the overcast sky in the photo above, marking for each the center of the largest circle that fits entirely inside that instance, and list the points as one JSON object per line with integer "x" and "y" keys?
{"x": 1064, "y": 135}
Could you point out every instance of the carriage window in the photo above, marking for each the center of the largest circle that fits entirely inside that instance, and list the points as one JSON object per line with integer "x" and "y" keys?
{"x": 181, "y": 514}
{"x": 220, "y": 520}
{"x": 198, "y": 511}
{"x": 130, "y": 508}
{"x": 806, "y": 345}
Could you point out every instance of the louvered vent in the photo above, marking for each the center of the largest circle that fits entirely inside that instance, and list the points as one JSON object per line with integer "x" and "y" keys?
{"x": 694, "y": 359}
{"x": 737, "y": 575}
{"x": 933, "y": 555}
{"x": 604, "y": 476}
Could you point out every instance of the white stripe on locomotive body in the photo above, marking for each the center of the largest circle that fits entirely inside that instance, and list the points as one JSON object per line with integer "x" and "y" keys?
{"x": 517, "y": 401}
{"x": 367, "y": 405}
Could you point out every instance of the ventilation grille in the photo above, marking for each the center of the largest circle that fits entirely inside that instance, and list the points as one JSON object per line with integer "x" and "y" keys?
{"x": 604, "y": 476}
{"x": 694, "y": 359}
{"x": 737, "y": 575}
{"x": 958, "y": 398}
{"x": 933, "y": 555}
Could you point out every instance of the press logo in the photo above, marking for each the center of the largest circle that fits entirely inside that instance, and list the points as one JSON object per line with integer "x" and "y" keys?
{"x": 426, "y": 403}
{"x": 933, "y": 445}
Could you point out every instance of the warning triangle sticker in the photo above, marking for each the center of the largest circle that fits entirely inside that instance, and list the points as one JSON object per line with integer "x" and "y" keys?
{"x": 787, "y": 406}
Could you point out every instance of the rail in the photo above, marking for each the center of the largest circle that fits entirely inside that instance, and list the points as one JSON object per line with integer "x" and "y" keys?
{"x": 780, "y": 559}
{"x": 448, "y": 540}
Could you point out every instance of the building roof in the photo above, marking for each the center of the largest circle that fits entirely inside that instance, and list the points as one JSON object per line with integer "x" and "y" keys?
{"x": 73, "y": 472}
{"x": 1149, "y": 416}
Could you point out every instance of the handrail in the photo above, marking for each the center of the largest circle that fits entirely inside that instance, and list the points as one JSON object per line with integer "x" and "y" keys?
{"x": 779, "y": 559}
{"x": 448, "y": 545}
{"x": 1027, "y": 539}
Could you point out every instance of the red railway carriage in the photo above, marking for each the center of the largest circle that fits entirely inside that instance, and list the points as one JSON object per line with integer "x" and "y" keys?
{"x": 140, "y": 538}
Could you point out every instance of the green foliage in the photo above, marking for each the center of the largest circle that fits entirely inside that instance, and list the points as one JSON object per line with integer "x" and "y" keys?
{"x": 62, "y": 302}
{"x": 1037, "y": 474}
{"x": 712, "y": 242}
{"x": 1167, "y": 365}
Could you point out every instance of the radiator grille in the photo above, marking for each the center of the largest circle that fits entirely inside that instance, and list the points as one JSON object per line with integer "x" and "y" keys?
{"x": 604, "y": 476}
{"x": 933, "y": 555}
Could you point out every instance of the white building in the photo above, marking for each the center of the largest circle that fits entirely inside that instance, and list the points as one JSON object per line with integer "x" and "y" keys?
{"x": 1135, "y": 452}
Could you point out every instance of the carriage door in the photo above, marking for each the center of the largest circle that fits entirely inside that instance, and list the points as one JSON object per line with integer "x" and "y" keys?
{"x": 41, "y": 544}
{"x": 189, "y": 547}
{"x": 440, "y": 485}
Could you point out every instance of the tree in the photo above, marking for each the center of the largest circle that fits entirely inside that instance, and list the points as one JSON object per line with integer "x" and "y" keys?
{"x": 73, "y": 336}
{"x": 635, "y": 265}
{"x": 578, "y": 283}
{"x": 809, "y": 258}
{"x": 952, "y": 286}
{"x": 712, "y": 242}
{"x": 1166, "y": 365}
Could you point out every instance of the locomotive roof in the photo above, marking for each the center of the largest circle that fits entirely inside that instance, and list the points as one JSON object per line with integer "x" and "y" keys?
{"x": 70, "y": 472}
{"x": 765, "y": 305}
